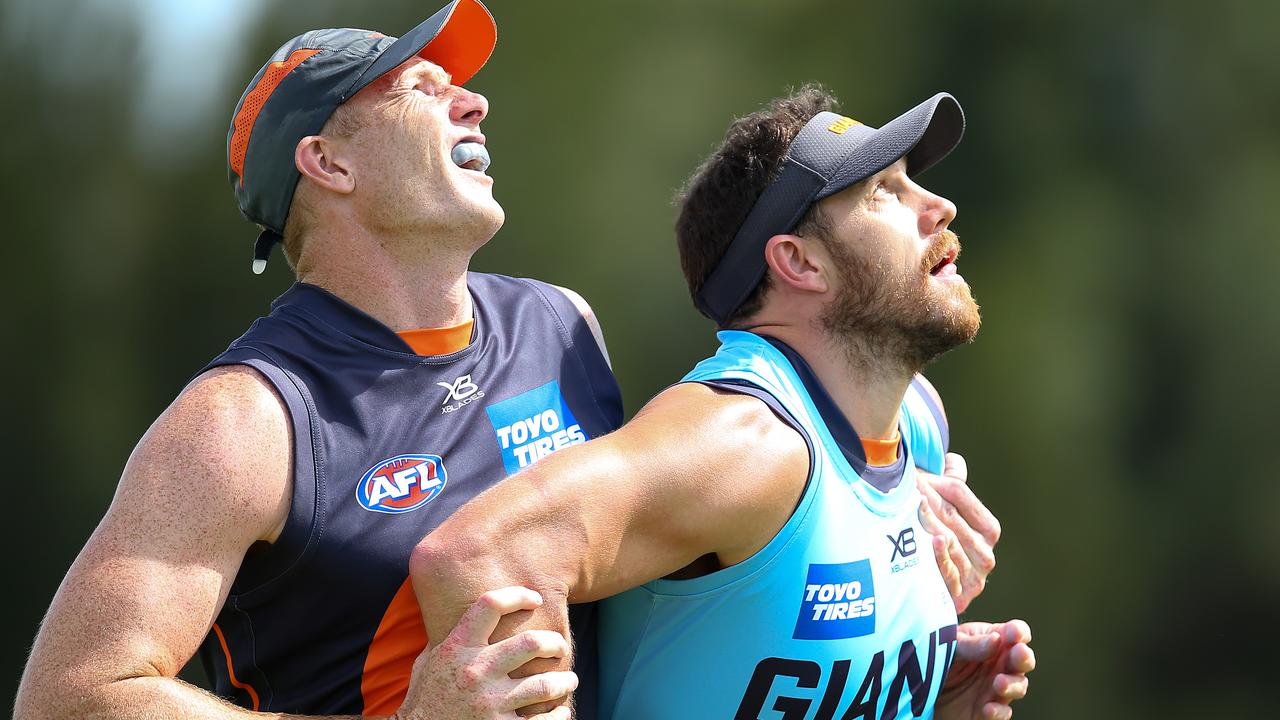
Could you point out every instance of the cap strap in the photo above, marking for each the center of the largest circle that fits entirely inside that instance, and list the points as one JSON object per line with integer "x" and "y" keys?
{"x": 267, "y": 239}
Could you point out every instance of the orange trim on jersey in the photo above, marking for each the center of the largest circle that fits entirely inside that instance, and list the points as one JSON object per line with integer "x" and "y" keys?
{"x": 882, "y": 452}
{"x": 399, "y": 640}
{"x": 439, "y": 341}
{"x": 253, "y": 103}
{"x": 231, "y": 671}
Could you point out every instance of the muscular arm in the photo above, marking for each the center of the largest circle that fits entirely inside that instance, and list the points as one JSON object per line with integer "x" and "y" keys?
{"x": 696, "y": 472}
{"x": 210, "y": 478}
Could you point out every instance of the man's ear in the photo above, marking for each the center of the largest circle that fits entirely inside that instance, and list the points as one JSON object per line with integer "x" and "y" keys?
{"x": 316, "y": 158}
{"x": 799, "y": 263}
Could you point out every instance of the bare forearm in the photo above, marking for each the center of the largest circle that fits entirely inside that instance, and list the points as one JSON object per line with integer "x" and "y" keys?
{"x": 449, "y": 576}
{"x": 448, "y": 588}
{"x": 142, "y": 698}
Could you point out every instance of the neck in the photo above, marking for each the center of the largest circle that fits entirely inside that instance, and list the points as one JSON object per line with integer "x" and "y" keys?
{"x": 866, "y": 388}
{"x": 404, "y": 283}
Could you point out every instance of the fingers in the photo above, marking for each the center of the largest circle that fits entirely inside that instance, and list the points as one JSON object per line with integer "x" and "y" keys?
{"x": 963, "y": 581}
{"x": 930, "y": 503}
{"x": 561, "y": 712}
{"x": 481, "y": 619}
{"x": 954, "y": 465}
{"x": 520, "y": 648}
{"x": 996, "y": 711}
{"x": 1008, "y": 688}
{"x": 977, "y": 644}
{"x": 930, "y": 508}
{"x": 950, "y": 573}
{"x": 1016, "y": 631}
{"x": 543, "y": 688}
{"x": 973, "y": 526}
{"x": 975, "y": 515}
{"x": 1022, "y": 659}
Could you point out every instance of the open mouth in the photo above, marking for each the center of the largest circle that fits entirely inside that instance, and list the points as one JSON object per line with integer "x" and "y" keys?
{"x": 470, "y": 155}
{"x": 947, "y": 264}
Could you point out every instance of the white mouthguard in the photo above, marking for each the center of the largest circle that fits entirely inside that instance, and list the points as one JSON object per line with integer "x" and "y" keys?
{"x": 465, "y": 152}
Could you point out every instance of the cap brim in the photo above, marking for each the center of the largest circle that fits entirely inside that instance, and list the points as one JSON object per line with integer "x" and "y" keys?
{"x": 924, "y": 135}
{"x": 460, "y": 37}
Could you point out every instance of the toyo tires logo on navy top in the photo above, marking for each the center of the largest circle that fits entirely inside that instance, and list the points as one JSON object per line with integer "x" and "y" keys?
{"x": 401, "y": 484}
{"x": 532, "y": 425}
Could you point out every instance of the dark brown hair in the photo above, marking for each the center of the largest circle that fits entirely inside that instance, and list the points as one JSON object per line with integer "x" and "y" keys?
{"x": 718, "y": 197}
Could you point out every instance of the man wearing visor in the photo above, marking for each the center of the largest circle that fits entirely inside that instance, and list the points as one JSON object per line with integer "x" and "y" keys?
{"x": 267, "y": 518}
{"x": 757, "y": 528}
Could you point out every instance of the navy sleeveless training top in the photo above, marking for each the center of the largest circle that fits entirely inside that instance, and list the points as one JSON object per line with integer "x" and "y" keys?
{"x": 386, "y": 444}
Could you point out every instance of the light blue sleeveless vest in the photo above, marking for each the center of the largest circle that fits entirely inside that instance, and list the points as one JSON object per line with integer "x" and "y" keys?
{"x": 842, "y": 615}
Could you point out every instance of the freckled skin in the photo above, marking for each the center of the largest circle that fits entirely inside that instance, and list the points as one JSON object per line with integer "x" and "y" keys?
{"x": 209, "y": 478}
{"x": 213, "y": 475}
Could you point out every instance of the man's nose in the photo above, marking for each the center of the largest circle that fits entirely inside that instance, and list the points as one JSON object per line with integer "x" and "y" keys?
{"x": 937, "y": 214}
{"x": 468, "y": 108}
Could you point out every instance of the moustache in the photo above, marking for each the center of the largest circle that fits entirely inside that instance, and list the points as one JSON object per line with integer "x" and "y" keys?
{"x": 944, "y": 244}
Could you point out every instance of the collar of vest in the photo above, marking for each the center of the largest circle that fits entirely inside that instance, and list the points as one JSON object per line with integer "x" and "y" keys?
{"x": 842, "y": 431}
{"x": 349, "y": 319}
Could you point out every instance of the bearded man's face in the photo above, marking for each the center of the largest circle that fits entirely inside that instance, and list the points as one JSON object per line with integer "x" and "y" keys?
{"x": 898, "y": 294}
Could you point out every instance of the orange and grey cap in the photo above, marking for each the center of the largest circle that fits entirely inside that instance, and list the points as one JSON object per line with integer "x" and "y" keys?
{"x": 296, "y": 92}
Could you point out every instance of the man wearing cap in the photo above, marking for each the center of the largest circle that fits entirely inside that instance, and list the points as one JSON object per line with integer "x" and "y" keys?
{"x": 267, "y": 517}
{"x": 756, "y": 527}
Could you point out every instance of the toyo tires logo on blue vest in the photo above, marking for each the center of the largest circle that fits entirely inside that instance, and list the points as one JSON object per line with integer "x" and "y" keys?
{"x": 402, "y": 483}
{"x": 839, "y": 601}
{"x": 532, "y": 425}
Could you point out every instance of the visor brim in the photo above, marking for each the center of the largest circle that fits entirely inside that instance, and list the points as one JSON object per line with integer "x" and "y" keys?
{"x": 924, "y": 135}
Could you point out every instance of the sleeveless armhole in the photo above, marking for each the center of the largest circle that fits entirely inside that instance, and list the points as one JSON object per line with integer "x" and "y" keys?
{"x": 733, "y": 574}
{"x": 924, "y": 429}
{"x": 578, "y": 337}
{"x": 263, "y": 565}
{"x": 939, "y": 417}
{"x": 743, "y": 387}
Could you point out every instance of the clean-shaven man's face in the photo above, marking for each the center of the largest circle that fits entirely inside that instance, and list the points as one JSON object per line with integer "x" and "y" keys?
{"x": 410, "y": 122}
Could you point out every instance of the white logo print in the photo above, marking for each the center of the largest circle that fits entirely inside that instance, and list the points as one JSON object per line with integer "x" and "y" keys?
{"x": 460, "y": 391}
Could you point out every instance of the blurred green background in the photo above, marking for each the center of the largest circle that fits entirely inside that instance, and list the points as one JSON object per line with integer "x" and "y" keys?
{"x": 1116, "y": 188}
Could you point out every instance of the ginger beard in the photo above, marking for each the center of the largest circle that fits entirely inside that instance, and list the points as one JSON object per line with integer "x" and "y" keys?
{"x": 884, "y": 316}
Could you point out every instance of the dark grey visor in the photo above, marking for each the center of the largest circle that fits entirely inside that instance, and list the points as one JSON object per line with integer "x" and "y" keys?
{"x": 829, "y": 154}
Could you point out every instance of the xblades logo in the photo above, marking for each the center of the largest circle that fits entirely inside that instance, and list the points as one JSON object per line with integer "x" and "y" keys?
{"x": 460, "y": 392}
{"x": 459, "y": 389}
{"x": 904, "y": 546}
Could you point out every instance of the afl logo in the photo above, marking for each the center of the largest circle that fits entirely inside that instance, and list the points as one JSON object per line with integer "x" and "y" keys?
{"x": 401, "y": 484}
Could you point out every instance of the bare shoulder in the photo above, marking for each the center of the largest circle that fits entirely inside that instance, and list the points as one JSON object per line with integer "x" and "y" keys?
{"x": 741, "y": 421}
{"x": 747, "y": 466}
{"x": 589, "y": 315}
{"x": 207, "y": 480}
{"x": 222, "y": 448}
